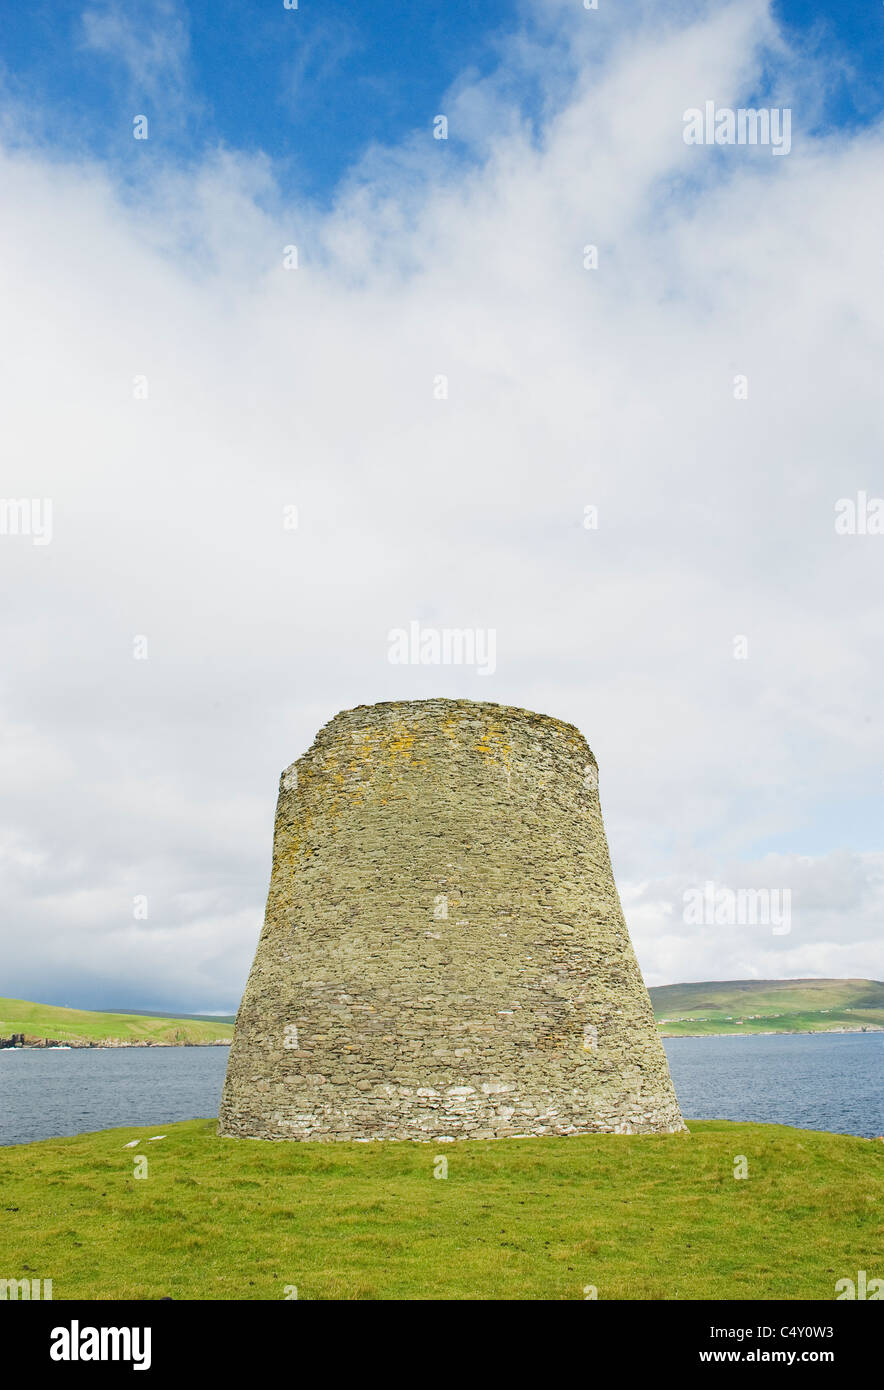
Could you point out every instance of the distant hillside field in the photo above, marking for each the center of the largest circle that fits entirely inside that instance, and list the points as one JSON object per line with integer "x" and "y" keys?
{"x": 39, "y": 1021}
{"x": 768, "y": 1006}
{"x": 157, "y": 1013}
{"x": 716, "y": 1006}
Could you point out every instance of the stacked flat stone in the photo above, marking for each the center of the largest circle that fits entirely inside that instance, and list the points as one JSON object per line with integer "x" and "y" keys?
{"x": 444, "y": 954}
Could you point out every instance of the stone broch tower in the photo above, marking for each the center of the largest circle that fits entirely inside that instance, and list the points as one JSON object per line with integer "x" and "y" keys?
{"x": 444, "y": 953}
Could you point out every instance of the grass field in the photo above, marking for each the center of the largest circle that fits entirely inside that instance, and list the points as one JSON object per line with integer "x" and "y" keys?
{"x": 768, "y": 1006}
{"x": 73, "y": 1025}
{"x": 637, "y": 1217}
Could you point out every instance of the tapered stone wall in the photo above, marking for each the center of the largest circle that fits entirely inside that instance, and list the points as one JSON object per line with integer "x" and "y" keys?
{"x": 444, "y": 952}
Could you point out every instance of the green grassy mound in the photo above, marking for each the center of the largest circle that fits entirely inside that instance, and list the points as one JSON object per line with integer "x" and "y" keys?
{"x": 768, "y": 1006}
{"x": 635, "y": 1216}
{"x": 78, "y": 1025}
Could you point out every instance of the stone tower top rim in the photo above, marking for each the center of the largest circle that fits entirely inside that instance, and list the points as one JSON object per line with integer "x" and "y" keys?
{"x": 447, "y": 706}
{"x": 453, "y": 703}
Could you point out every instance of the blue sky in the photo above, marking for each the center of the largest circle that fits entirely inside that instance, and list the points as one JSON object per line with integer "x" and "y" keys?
{"x": 312, "y": 87}
{"x": 849, "y": 37}
{"x": 315, "y": 87}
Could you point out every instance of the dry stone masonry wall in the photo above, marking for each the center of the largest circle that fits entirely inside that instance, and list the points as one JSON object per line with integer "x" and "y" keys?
{"x": 444, "y": 952}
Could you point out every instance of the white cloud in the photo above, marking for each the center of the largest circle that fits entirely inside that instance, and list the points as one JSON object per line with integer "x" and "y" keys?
{"x": 832, "y": 906}
{"x": 149, "y": 42}
{"x": 567, "y": 387}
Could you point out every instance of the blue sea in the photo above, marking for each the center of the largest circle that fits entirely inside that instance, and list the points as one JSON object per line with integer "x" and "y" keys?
{"x": 811, "y": 1080}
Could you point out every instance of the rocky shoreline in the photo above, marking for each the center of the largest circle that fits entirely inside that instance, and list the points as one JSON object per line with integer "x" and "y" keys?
{"x": 23, "y": 1041}
{"x": 778, "y": 1032}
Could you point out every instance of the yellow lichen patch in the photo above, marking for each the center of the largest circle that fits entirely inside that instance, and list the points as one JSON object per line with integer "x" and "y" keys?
{"x": 374, "y": 752}
{"x": 401, "y": 744}
{"x": 452, "y": 726}
{"x": 496, "y": 750}
{"x": 298, "y": 832}
{"x": 365, "y": 746}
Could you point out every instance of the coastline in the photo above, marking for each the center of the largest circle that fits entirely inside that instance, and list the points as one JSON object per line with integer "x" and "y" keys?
{"x": 57, "y": 1045}
{"x": 776, "y": 1032}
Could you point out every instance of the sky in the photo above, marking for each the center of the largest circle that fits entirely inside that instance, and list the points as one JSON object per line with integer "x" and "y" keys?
{"x": 293, "y": 373}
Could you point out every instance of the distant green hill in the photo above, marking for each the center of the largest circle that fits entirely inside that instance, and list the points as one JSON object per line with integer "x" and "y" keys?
{"x": 768, "y": 1006}
{"x": 45, "y": 1021}
{"x": 157, "y": 1013}
{"x": 710, "y": 1006}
